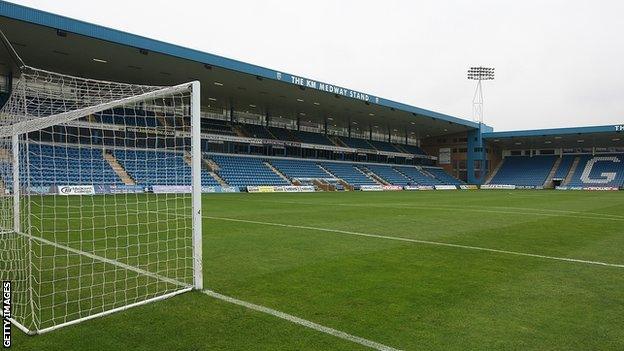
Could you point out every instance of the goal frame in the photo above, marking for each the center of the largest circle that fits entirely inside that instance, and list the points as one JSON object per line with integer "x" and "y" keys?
{"x": 21, "y": 129}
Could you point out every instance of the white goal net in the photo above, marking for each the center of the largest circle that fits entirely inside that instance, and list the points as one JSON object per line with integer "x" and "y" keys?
{"x": 100, "y": 196}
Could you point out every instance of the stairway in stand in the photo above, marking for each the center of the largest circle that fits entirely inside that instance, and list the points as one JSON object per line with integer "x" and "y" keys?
{"x": 549, "y": 183}
{"x": 570, "y": 175}
{"x": 116, "y": 166}
{"x": 276, "y": 171}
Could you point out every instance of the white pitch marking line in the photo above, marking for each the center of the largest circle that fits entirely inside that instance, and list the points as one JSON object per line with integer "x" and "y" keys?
{"x": 426, "y": 242}
{"x": 106, "y": 260}
{"x": 296, "y": 320}
{"x": 483, "y": 209}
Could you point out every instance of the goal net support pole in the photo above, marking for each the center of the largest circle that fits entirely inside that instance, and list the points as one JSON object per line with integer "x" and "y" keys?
{"x": 196, "y": 161}
{"x": 76, "y": 258}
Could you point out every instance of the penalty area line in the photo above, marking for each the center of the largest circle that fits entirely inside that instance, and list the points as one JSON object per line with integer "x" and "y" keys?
{"x": 425, "y": 242}
{"x": 300, "y": 321}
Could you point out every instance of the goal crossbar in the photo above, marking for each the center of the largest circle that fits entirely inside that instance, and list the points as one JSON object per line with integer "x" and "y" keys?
{"x": 66, "y": 117}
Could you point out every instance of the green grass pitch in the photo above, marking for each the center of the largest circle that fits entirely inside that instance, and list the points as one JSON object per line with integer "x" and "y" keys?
{"x": 404, "y": 294}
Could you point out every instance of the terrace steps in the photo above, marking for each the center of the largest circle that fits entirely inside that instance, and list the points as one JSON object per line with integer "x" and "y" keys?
{"x": 5, "y": 155}
{"x": 573, "y": 168}
{"x": 549, "y": 180}
{"x": 218, "y": 178}
{"x": 425, "y": 172}
{"x": 239, "y": 131}
{"x": 271, "y": 133}
{"x": 346, "y": 185}
{"x": 277, "y": 171}
{"x": 398, "y": 169}
{"x": 339, "y": 142}
{"x": 367, "y": 172}
{"x": 323, "y": 186}
{"x": 494, "y": 172}
{"x": 211, "y": 165}
{"x": 119, "y": 170}
{"x": 372, "y": 176}
{"x": 400, "y": 148}
{"x": 163, "y": 121}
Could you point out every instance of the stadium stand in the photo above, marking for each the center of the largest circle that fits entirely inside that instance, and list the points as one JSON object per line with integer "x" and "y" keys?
{"x": 524, "y": 170}
{"x": 417, "y": 177}
{"x": 357, "y": 143}
{"x": 256, "y": 131}
{"x": 389, "y": 174}
{"x": 245, "y": 171}
{"x": 233, "y": 170}
{"x": 444, "y": 177}
{"x": 282, "y": 134}
{"x": 348, "y": 172}
{"x": 383, "y": 146}
{"x": 412, "y": 149}
{"x": 129, "y": 117}
{"x": 59, "y": 165}
{"x": 216, "y": 126}
{"x": 161, "y": 162}
{"x": 296, "y": 169}
{"x": 312, "y": 138}
{"x": 606, "y": 171}
{"x": 564, "y": 167}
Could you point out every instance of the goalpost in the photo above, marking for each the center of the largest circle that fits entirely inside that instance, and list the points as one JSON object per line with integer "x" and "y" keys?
{"x": 100, "y": 196}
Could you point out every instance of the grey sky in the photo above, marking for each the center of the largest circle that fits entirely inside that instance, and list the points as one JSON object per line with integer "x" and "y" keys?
{"x": 558, "y": 63}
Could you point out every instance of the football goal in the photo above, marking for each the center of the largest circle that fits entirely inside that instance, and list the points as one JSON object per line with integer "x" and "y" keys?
{"x": 100, "y": 196}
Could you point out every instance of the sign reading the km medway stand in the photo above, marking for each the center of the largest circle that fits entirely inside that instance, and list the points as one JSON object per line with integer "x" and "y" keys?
{"x": 329, "y": 88}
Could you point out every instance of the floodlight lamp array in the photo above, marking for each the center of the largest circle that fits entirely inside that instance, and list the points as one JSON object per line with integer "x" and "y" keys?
{"x": 481, "y": 73}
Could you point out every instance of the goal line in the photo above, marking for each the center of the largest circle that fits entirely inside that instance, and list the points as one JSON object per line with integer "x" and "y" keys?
{"x": 186, "y": 287}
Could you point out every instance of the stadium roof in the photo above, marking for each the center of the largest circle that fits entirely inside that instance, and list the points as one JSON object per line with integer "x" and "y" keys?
{"x": 600, "y": 136}
{"x": 58, "y": 43}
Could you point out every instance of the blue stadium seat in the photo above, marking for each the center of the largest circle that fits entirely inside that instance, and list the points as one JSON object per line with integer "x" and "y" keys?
{"x": 384, "y": 146}
{"x": 357, "y": 143}
{"x": 564, "y": 167}
{"x": 60, "y": 165}
{"x": 600, "y": 172}
{"x": 389, "y": 174}
{"x": 282, "y": 134}
{"x": 151, "y": 167}
{"x": 257, "y": 131}
{"x": 443, "y": 177}
{"x": 524, "y": 170}
{"x": 416, "y": 176}
{"x": 349, "y": 173}
{"x": 313, "y": 138}
{"x": 297, "y": 169}
{"x": 412, "y": 149}
{"x": 246, "y": 171}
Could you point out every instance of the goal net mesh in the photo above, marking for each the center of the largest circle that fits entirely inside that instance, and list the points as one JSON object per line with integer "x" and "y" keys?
{"x": 95, "y": 196}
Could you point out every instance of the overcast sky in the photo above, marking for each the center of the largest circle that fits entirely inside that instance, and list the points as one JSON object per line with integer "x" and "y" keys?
{"x": 558, "y": 63}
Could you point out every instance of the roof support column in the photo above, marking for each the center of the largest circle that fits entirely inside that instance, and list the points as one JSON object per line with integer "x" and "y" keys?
{"x": 231, "y": 113}
{"x": 349, "y": 128}
{"x": 325, "y": 124}
{"x": 266, "y": 118}
{"x": 298, "y": 123}
{"x": 476, "y": 164}
{"x": 370, "y": 132}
